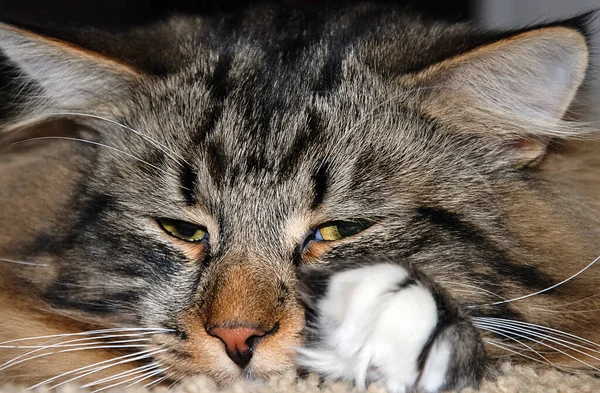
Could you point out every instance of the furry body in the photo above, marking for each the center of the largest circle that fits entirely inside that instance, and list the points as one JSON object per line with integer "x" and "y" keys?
{"x": 261, "y": 127}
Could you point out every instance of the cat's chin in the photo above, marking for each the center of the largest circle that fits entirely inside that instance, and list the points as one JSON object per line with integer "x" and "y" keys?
{"x": 253, "y": 374}
{"x": 201, "y": 354}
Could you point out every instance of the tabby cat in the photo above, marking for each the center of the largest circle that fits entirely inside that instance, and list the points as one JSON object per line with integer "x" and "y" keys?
{"x": 353, "y": 190}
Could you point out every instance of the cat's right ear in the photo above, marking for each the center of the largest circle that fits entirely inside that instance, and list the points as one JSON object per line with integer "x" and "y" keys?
{"x": 54, "y": 75}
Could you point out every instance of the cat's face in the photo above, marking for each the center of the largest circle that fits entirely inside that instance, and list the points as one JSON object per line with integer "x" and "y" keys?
{"x": 209, "y": 187}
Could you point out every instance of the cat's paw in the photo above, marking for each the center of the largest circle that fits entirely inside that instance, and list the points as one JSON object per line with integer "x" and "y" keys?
{"x": 385, "y": 324}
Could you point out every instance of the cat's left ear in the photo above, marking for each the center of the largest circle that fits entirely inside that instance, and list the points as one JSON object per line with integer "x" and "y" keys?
{"x": 66, "y": 76}
{"x": 516, "y": 89}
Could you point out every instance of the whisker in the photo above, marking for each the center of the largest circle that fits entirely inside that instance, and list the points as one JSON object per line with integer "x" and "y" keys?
{"x": 148, "y": 376}
{"x": 121, "y": 375}
{"x": 549, "y": 288}
{"x": 91, "y": 332}
{"x": 507, "y": 330}
{"x": 176, "y": 382}
{"x": 72, "y": 350}
{"x": 501, "y": 333}
{"x": 495, "y": 344}
{"x": 552, "y": 339}
{"x": 15, "y": 361}
{"x": 595, "y": 310}
{"x": 22, "y": 262}
{"x": 61, "y": 345}
{"x": 471, "y": 286}
{"x": 528, "y": 347}
{"x": 66, "y": 138}
{"x": 537, "y": 327}
{"x": 117, "y": 361}
{"x": 145, "y": 372}
{"x": 153, "y": 142}
{"x": 158, "y": 381}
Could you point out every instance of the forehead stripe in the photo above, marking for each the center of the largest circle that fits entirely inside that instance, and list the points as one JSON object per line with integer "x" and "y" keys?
{"x": 188, "y": 179}
{"x": 320, "y": 185}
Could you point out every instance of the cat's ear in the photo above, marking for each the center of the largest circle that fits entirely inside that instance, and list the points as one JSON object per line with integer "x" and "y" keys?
{"x": 516, "y": 89}
{"x": 57, "y": 74}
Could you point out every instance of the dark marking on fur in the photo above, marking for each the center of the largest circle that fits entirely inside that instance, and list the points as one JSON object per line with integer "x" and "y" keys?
{"x": 219, "y": 89}
{"x": 313, "y": 284}
{"x": 216, "y": 162}
{"x": 338, "y": 47}
{"x": 107, "y": 303}
{"x": 304, "y": 140}
{"x": 188, "y": 179}
{"x": 320, "y": 185}
{"x": 529, "y": 276}
{"x": 177, "y": 331}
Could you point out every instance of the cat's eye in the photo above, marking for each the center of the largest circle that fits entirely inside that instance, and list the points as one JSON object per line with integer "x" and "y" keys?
{"x": 337, "y": 230}
{"x": 183, "y": 230}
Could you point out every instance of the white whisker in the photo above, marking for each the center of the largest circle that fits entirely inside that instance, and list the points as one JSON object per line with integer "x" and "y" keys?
{"x": 128, "y": 380}
{"x": 158, "y": 381}
{"x": 148, "y": 376}
{"x": 66, "y": 138}
{"x": 528, "y": 347}
{"x": 153, "y": 142}
{"x": 552, "y": 339}
{"x": 513, "y": 333}
{"x": 121, "y": 375}
{"x": 549, "y": 288}
{"x": 470, "y": 286}
{"x": 61, "y": 345}
{"x": 538, "y": 327}
{"x": 513, "y": 351}
{"x": 176, "y": 382}
{"x": 72, "y": 350}
{"x": 91, "y": 332}
{"x": 22, "y": 262}
{"x": 119, "y": 360}
{"x": 16, "y": 360}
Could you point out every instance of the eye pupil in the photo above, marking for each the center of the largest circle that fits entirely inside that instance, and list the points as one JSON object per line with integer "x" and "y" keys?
{"x": 350, "y": 228}
{"x": 185, "y": 229}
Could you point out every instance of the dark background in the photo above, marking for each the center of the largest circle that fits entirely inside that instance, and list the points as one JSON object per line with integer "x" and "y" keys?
{"x": 123, "y": 13}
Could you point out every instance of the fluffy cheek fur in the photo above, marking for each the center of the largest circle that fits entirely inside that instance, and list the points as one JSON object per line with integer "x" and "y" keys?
{"x": 381, "y": 324}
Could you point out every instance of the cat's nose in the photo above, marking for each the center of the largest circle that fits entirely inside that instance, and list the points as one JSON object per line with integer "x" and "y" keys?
{"x": 239, "y": 342}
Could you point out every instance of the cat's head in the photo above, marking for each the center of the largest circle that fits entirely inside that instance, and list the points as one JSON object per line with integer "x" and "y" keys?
{"x": 204, "y": 161}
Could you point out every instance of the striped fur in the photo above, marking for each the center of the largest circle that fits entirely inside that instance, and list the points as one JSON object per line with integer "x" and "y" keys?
{"x": 262, "y": 125}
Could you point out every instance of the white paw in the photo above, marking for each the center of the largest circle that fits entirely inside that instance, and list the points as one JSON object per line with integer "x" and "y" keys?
{"x": 374, "y": 324}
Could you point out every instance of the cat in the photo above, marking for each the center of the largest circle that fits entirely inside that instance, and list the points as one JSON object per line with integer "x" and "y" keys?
{"x": 350, "y": 189}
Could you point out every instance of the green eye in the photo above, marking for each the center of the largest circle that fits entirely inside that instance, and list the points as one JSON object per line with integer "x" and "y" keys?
{"x": 336, "y": 230}
{"x": 183, "y": 230}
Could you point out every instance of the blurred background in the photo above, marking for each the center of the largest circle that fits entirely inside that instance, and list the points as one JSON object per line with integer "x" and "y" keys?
{"x": 124, "y": 13}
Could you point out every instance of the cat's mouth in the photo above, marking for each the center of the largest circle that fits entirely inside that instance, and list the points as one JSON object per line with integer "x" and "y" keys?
{"x": 233, "y": 351}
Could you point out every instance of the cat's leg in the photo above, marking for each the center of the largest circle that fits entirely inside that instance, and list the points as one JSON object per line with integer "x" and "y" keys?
{"x": 387, "y": 324}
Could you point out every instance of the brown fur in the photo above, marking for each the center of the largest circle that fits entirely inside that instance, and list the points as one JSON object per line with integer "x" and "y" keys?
{"x": 382, "y": 125}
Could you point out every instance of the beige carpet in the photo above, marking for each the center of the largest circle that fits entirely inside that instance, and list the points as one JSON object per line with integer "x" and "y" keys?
{"x": 514, "y": 379}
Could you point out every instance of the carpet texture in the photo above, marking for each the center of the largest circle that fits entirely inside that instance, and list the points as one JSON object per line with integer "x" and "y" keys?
{"x": 513, "y": 379}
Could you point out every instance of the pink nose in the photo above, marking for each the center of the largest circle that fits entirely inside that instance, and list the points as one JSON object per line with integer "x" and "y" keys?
{"x": 239, "y": 342}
